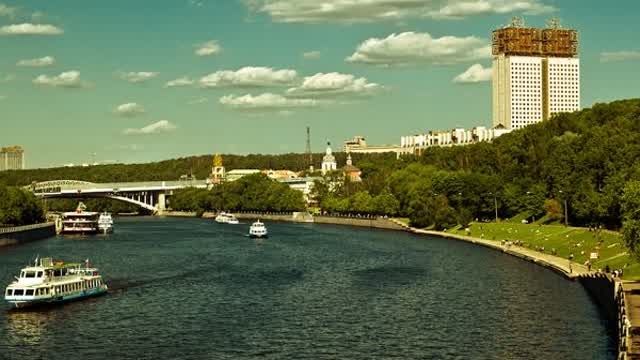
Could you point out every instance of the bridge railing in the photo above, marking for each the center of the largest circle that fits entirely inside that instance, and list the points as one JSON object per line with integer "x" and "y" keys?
{"x": 13, "y": 229}
{"x": 119, "y": 185}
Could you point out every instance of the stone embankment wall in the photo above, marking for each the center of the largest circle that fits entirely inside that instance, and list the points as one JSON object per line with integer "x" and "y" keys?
{"x": 301, "y": 217}
{"x": 378, "y": 223}
{"x": 20, "y": 234}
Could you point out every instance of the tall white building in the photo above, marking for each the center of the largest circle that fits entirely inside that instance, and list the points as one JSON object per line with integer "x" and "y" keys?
{"x": 536, "y": 74}
{"x": 11, "y": 158}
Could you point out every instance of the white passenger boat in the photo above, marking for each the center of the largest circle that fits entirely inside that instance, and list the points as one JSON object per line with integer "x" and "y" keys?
{"x": 49, "y": 282}
{"x": 105, "y": 223}
{"x": 80, "y": 221}
{"x": 226, "y": 218}
{"x": 258, "y": 230}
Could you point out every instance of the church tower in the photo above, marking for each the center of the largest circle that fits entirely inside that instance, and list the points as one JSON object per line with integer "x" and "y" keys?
{"x": 217, "y": 171}
{"x": 328, "y": 161}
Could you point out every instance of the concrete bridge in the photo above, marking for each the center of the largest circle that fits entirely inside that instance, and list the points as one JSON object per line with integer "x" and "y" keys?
{"x": 150, "y": 195}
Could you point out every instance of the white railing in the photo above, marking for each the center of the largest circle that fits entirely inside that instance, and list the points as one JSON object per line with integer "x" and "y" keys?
{"x": 13, "y": 229}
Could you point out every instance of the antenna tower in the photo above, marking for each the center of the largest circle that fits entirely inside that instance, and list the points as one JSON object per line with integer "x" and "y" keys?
{"x": 309, "y": 156}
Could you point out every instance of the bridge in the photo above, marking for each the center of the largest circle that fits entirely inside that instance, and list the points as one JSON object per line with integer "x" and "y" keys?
{"x": 149, "y": 195}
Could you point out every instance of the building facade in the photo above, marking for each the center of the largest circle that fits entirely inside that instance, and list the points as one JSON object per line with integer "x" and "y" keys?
{"x": 358, "y": 145}
{"x": 416, "y": 144}
{"x": 536, "y": 74}
{"x": 12, "y": 158}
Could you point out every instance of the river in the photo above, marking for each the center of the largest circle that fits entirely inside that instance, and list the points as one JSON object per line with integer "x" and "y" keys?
{"x": 194, "y": 289}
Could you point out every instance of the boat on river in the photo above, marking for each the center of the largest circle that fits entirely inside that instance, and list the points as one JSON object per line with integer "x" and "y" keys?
{"x": 80, "y": 221}
{"x": 52, "y": 282}
{"x": 105, "y": 223}
{"x": 226, "y": 218}
{"x": 258, "y": 230}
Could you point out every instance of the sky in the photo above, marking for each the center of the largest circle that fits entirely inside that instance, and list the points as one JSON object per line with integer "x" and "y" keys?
{"x": 137, "y": 81}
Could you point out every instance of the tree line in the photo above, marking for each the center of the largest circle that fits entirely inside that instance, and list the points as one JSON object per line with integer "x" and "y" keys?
{"x": 199, "y": 166}
{"x": 250, "y": 193}
{"x": 19, "y": 207}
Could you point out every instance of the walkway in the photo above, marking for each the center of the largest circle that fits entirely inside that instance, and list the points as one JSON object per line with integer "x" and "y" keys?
{"x": 564, "y": 266}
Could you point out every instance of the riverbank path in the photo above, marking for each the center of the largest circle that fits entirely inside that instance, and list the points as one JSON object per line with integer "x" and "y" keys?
{"x": 568, "y": 268}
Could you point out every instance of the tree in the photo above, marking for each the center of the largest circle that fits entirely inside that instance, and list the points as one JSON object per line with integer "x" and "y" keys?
{"x": 19, "y": 207}
{"x": 631, "y": 215}
{"x": 554, "y": 209}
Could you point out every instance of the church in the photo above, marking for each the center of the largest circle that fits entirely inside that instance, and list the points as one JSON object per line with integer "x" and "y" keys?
{"x": 329, "y": 164}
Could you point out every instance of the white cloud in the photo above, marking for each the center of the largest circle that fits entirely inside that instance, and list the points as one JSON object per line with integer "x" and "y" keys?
{"x": 464, "y": 8}
{"x": 620, "y": 56}
{"x": 39, "y": 62}
{"x": 162, "y": 126}
{"x": 265, "y": 102}
{"x": 30, "y": 29}
{"x": 474, "y": 74}
{"x": 138, "y": 77}
{"x": 196, "y": 101}
{"x": 249, "y": 77}
{"x": 332, "y": 84}
{"x": 183, "y": 81}
{"x": 8, "y": 11}
{"x": 67, "y": 79}
{"x": 354, "y": 11}
{"x": 410, "y": 48}
{"x": 129, "y": 110}
{"x": 311, "y": 55}
{"x": 209, "y": 48}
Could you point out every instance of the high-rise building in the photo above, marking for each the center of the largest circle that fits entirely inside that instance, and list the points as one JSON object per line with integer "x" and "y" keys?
{"x": 536, "y": 73}
{"x": 11, "y": 158}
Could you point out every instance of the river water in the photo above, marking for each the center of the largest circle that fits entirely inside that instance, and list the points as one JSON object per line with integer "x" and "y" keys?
{"x": 194, "y": 289}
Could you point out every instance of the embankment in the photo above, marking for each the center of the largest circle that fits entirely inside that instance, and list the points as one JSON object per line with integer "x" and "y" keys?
{"x": 21, "y": 234}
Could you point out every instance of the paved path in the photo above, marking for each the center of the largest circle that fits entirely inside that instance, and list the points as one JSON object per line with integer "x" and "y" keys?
{"x": 567, "y": 268}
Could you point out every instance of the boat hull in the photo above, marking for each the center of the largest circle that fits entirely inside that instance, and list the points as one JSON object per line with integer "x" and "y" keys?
{"x": 257, "y": 236}
{"x": 57, "y": 300}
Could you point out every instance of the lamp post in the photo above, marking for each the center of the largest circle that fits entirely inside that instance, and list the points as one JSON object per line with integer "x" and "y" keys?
{"x": 532, "y": 216}
{"x": 566, "y": 209}
{"x": 495, "y": 202}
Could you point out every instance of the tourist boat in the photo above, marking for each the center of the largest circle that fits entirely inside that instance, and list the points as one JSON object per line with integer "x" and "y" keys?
{"x": 105, "y": 223}
{"x": 52, "y": 282}
{"x": 258, "y": 230}
{"x": 80, "y": 221}
{"x": 226, "y": 218}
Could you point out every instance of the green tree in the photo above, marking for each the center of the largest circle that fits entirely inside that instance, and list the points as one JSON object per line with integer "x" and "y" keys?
{"x": 631, "y": 214}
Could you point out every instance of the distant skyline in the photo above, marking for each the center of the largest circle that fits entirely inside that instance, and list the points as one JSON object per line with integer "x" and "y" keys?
{"x": 143, "y": 81}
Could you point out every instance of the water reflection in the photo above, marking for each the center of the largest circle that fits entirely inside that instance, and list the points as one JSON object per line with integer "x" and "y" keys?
{"x": 28, "y": 327}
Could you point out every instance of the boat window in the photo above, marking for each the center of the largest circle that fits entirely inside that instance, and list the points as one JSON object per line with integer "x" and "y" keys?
{"x": 39, "y": 274}
{"x": 29, "y": 292}
{"x": 9, "y": 292}
{"x": 30, "y": 274}
{"x": 22, "y": 274}
{"x": 18, "y": 292}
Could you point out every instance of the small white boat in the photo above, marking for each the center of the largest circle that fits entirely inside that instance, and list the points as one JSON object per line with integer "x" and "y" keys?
{"x": 49, "y": 282}
{"x": 226, "y": 218}
{"x": 258, "y": 230}
{"x": 105, "y": 223}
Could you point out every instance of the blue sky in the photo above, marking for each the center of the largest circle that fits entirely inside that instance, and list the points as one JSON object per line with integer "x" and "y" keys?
{"x": 79, "y": 78}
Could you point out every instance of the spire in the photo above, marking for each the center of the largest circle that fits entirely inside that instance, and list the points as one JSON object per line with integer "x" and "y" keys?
{"x": 328, "y": 147}
{"x": 217, "y": 160}
{"x": 349, "y": 162}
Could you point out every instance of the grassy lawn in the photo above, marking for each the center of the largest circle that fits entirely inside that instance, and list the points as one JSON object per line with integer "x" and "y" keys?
{"x": 560, "y": 240}
{"x": 563, "y": 241}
